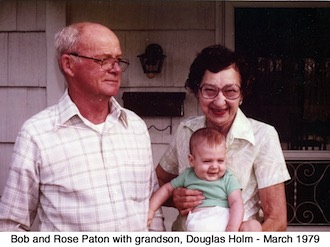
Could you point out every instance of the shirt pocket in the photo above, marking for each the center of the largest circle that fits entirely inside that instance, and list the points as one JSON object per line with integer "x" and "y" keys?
{"x": 136, "y": 181}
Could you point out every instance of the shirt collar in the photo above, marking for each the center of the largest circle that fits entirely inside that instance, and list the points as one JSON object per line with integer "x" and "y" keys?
{"x": 240, "y": 129}
{"x": 195, "y": 123}
{"x": 67, "y": 111}
{"x": 118, "y": 111}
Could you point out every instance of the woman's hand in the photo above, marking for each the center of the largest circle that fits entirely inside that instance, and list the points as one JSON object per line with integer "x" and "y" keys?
{"x": 186, "y": 200}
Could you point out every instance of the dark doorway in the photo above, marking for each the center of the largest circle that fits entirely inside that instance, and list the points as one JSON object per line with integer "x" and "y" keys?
{"x": 289, "y": 55}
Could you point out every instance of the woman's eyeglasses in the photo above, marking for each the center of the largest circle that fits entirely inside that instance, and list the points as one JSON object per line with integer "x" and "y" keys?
{"x": 231, "y": 91}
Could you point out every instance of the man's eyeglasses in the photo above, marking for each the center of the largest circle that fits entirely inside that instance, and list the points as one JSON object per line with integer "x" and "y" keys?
{"x": 231, "y": 91}
{"x": 107, "y": 63}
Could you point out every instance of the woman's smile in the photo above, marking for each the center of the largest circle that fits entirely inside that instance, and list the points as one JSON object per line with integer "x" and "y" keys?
{"x": 219, "y": 112}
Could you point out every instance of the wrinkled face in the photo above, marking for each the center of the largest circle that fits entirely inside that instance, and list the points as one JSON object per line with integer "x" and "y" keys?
{"x": 89, "y": 79}
{"x": 208, "y": 161}
{"x": 220, "y": 111}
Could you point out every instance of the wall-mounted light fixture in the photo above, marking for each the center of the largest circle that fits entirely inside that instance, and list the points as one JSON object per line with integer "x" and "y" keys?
{"x": 152, "y": 60}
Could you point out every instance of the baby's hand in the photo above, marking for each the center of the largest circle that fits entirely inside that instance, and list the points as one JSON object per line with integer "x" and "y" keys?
{"x": 150, "y": 217}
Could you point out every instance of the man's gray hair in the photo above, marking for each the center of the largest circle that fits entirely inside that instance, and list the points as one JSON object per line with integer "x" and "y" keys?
{"x": 66, "y": 41}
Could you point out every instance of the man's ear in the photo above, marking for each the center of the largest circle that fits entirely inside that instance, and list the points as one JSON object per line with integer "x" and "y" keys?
{"x": 66, "y": 64}
{"x": 191, "y": 160}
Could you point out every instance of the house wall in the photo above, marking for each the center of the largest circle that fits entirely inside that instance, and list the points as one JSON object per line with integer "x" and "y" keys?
{"x": 22, "y": 70}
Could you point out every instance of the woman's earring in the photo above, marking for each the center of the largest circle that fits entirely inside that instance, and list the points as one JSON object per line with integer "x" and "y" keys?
{"x": 240, "y": 103}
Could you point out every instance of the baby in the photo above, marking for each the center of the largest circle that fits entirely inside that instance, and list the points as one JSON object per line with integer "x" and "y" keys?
{"x": 222, "y": 209}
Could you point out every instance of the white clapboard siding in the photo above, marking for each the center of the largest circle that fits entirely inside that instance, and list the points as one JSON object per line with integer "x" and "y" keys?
{"x": 5, "y": 151}
{"x": 23, "y": 58}
{"x": 145, "y": 15}
{"x": 27, "y": 59}
{"x": 18, "y": 15}
{"x": 31, "y": 15}
{"x": 3, "y": 59}
{"x": 16, "y": 106}
{"x": 8, "y": 15}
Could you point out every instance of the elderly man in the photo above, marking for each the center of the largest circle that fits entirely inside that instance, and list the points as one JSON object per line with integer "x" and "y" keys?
{"x": 84, "y": 164}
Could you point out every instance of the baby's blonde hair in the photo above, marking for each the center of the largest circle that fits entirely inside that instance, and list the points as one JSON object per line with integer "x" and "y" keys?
{"x": 210, "y": 135}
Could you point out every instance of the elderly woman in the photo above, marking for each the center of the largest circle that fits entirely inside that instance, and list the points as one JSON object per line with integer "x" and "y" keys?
{"x": 217, "y": 78}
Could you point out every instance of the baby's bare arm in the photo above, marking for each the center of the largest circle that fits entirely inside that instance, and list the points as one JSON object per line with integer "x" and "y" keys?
{"x": 236, "y": 211}
{"x": 158, "y": 199}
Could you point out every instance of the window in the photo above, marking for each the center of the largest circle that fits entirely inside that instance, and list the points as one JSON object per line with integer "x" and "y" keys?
{"x": 288, "y": 53}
